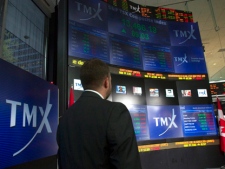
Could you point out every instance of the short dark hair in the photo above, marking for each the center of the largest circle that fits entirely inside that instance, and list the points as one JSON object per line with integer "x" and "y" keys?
{"x": 92, "y": 73}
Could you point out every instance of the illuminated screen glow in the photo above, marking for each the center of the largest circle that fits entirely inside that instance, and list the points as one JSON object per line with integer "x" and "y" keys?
{"x": 127, "y": 39}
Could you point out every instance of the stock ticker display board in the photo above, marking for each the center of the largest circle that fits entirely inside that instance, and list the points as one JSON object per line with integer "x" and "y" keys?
{"x": 152, "y": 12}
{"x": 217, "y": 88}
{"x": 157, "y": 64}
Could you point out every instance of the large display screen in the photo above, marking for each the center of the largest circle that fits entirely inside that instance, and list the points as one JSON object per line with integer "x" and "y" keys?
{"x": 198, "y": 120}
{"x": 87, "y": 42}
{"x": 29, "y": 116}
{"x": 99, "y": 30}
{"x": 158, "y": 67}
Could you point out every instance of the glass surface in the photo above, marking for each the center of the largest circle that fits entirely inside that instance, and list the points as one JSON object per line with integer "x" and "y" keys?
{"x": 24, "y": 35}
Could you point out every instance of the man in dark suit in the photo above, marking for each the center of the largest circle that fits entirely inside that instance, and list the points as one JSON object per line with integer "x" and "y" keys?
{"x": 95, "y": 133}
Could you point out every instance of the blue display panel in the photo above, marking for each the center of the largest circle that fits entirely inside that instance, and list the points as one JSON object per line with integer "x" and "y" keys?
{"x": 158, "y": 32}
{"x": 132, "y": 26}
{"x": 185, "y": 34}
{"x": 29, "y": 116}
{"x": 140, "y": 121}
{"x": 121, "y": 38}
{"x": 124, "y": 52}
{"x": 188, "y": 59}
{"x": 87, "y": 42}
{"x": 164, "y": 122}
{"x": 198, "y": 120}
{"x": 89, "y": 12}
{"x": 120, "y": 23}
{"x": 157, "y": 58}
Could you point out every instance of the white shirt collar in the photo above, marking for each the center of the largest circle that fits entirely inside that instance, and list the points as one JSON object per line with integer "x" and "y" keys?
{"x": 89, "y": 90}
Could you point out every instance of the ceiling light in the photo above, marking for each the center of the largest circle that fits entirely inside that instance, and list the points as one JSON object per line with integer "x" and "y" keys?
{"x": 214, "y": 64}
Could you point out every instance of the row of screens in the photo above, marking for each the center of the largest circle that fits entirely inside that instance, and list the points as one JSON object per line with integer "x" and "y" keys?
{"x": 160, "y": 92}
{"x": 128, "y": 40}
{"x": 152, "y": 12}
{"x": 151, "y": 91}
{"x": 154, "y": 92}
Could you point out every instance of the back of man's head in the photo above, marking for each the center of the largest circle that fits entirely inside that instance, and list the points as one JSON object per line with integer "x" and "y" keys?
{"x": 92, "y": 74}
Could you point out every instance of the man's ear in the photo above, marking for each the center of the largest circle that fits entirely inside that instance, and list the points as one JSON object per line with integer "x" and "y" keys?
{"x": 106, "y": 82}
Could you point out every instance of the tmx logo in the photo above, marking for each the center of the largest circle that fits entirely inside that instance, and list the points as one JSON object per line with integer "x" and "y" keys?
{"x": 92, "y": 12}
{"x": 185, "y": 34}
{"x": 166, "y": 121}
{"x": 182, "y": 60}
{"x": 27, "y": 115}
